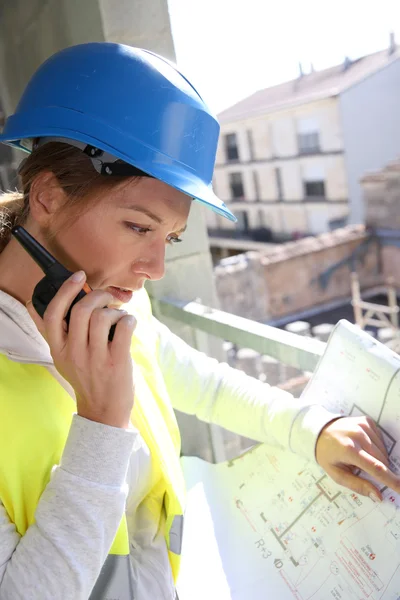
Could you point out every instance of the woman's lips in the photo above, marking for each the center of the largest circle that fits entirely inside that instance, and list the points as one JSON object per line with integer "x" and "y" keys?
{"x": 120, "y": 294}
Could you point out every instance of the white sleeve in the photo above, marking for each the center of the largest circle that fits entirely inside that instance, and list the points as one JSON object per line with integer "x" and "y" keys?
{"x": 77, "y": 517}
{"x": 217, "y": 393}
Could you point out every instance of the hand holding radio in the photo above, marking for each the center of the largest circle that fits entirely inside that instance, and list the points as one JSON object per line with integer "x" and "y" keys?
{"x": 99, "y": 371}
{"x": 55, "y": 275}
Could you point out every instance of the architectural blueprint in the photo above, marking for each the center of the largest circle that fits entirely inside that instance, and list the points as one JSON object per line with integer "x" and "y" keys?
{"x": 269, "y": 525}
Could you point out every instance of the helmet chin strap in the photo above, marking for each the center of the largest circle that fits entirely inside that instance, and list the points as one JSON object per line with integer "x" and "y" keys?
{"x": 103, "y": 162}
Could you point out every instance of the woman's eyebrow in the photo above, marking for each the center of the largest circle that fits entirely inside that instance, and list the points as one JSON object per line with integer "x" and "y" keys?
{"x": 145, "y": 211}
{"x": 152, "y": 215}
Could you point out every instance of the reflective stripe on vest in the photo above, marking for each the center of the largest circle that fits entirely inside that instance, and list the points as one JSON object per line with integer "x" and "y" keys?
{"x": 115, "y": 581}
{"x": 35, "y": 417}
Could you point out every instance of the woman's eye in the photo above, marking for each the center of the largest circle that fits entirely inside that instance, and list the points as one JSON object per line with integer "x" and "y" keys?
{"x": 138, "y": 229}
{"x": 171, "y": 239}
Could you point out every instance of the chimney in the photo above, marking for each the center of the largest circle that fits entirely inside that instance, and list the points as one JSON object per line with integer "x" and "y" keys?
{"x": 347, "y": 63}
{"x": 392, "y": 43}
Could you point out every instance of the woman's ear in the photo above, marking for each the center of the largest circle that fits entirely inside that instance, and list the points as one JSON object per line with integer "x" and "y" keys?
{"x": 46, "y": 197}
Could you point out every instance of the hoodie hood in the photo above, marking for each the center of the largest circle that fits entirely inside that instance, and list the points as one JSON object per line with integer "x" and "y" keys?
{"x": 20, "y": 339}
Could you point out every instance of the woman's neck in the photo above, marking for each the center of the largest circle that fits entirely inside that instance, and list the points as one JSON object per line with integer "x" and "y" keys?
{"x": 19, "y": 274}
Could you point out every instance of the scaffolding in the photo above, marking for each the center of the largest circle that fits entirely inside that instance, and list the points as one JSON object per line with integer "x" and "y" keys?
{"x": 377, "y": 315}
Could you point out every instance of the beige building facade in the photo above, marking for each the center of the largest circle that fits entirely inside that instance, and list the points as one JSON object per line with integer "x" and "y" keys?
{"x": 285, "y": 162}
{"x": 285, "y": 186}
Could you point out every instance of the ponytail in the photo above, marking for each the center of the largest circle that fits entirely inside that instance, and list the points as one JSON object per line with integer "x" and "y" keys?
{"x": 13, "y": 211}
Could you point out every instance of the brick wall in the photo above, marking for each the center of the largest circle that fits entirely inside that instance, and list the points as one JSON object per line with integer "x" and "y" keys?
{"x": 298, "y": 275}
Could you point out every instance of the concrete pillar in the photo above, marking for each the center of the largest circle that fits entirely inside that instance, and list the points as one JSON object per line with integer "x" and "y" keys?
{"x": 385, "y": 334}
{"x": 143, "y": 23}
{"x": 271, "y": 370}
{"x": 31, "y": 31}
{"x": 249, "y": 361}
{"x": 323, "y": 331}
{"x": 299, "y": 327}
{"x": 229, "y": 351}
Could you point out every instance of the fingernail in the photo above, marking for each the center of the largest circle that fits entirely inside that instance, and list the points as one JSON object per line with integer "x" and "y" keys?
{"x": 78, "y": 277}
{"x": 28, "y": 303}
{"x": 374, "y": 497}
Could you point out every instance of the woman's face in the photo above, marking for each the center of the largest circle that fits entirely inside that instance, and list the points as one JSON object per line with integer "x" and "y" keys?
{"x": 120, "y": 240}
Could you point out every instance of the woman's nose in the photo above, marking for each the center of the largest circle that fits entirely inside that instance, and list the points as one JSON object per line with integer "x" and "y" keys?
{"x": 155, "y": 262}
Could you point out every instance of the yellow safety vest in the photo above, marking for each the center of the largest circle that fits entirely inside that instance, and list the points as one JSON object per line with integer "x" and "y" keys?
{"x": 35, "y": 417}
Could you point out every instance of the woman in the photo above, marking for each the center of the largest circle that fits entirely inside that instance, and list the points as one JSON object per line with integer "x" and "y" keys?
{"x": 91, "y": 491}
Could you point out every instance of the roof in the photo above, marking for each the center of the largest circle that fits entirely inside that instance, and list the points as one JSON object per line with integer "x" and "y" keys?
{"x": 287, "y": 250}
{"x": 392, "y": 168}
{"x": 310, "y": 87}
{"x": 312, "y": 244}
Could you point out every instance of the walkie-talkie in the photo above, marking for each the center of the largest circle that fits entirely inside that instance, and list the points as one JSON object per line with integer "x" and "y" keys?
{"x": 55, "y": 275}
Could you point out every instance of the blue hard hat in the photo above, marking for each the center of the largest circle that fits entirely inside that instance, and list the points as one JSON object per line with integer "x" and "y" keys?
{"x": 125, "y": 103}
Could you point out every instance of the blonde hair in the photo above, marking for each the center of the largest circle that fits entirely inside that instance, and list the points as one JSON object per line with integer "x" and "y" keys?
{"x": 74, "y": 172}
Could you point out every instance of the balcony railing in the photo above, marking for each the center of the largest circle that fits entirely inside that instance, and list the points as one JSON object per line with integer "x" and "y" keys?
{"x": 288, "y": 348}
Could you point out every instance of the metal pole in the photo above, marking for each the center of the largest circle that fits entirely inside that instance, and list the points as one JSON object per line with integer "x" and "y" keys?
{"x": 356, "y": 299}
{"x": 392, "y": 301}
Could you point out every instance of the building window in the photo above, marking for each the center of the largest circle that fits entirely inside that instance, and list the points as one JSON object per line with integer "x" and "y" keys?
{"x": 231, "y": 147}
{"x": 236, "y": 185}
{"x": 314, "y": 189}
{"x": 309, "y": 143}
{"x": 242, "y": 221}
{"x": 278, "y": 180}
{"x": 250, "y": 143}
{"x": 256, "y": 182}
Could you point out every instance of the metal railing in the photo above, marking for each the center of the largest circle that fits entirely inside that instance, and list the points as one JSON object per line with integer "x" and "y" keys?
{"x": 294, "y": 350}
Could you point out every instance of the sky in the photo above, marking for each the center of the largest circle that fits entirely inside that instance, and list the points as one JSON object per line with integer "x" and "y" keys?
{"x": 231, "y": 48}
